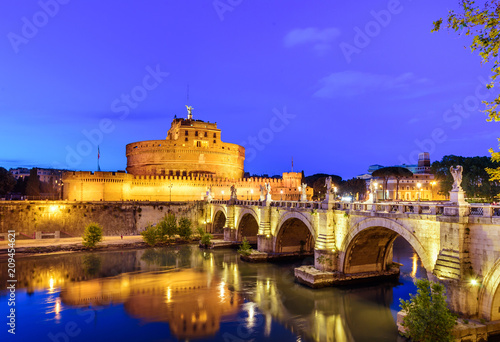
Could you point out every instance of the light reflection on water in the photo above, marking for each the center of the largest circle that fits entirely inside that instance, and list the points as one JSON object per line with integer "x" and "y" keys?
{"x": 185, "y": 293}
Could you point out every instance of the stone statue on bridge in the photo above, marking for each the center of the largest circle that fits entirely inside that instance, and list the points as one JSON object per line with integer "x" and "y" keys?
{"x": 268, "y": 192}
{"x": 209, "y": 194}
{"x": 262, "y": 193}
{"x": 303, "y": 195}
{"x": 456, "y": 172}
{"x": 328, "y": 184}
{"x": 234, "y": 194}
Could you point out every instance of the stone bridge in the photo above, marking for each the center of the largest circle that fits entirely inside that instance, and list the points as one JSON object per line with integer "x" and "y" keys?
{"x": 459, "y": 245}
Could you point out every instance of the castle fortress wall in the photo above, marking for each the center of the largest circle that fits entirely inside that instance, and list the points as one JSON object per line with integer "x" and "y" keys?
{"x": 163, "y": 157}
{"x": 115, "y": 186}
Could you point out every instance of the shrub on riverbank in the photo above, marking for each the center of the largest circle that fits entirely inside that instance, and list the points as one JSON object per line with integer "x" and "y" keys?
{"x": 245, "y": 248}
{"x": 92, "y": 235}
{"x": 428, "y": 318}
{"x": 184, "y": 229}
{"x": 150, "y": 235}
{"x": 167, "y": 227}
{"x": 205, "y": 238}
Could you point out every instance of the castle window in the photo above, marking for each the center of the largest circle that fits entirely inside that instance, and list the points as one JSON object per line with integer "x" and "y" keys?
{"x": 186, "y": 133}
{"x": 206, "y": 134}
{"x": 196, "y": 133}
{"x": 215, "y": 135}
{"x": 214, "y": 141}
{"x": 198, "y": 144}
{"x": 186, "y": 139}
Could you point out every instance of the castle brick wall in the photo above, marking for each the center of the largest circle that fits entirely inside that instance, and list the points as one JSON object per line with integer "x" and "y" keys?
{"x": 116, "y": 218}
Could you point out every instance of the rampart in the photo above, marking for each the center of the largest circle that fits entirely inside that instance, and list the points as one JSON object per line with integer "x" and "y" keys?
{"x": 116, "y": 218}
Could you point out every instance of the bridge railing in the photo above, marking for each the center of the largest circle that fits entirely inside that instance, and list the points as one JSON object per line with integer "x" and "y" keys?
{"x": 420, "y": 208}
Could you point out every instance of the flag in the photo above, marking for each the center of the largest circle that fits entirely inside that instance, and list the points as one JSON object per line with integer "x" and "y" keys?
{"x": 98, "y": 153}
{"x": 292, "y": 164}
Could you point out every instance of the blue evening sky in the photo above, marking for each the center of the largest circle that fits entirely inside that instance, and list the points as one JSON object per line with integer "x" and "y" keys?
{"x": 337, "y": 85}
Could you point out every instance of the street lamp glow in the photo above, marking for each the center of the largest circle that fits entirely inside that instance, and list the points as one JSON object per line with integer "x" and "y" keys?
{"x": 473, "y": 282}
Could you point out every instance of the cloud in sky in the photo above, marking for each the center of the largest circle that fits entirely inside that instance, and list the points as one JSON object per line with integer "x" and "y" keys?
{"x": 321, "y": 39}
{"x": 352, "y": 83}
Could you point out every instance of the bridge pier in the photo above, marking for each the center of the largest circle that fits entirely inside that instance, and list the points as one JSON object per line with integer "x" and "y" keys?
{"x": 265, "y": 243}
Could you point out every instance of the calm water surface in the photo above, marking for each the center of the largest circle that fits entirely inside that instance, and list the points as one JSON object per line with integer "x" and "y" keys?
{"x": 184, "y": 293}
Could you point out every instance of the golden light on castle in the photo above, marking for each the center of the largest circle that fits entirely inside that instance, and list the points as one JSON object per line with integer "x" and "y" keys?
{"x": 191, "y": 161}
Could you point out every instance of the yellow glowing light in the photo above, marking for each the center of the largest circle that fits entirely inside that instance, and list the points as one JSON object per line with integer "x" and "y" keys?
{"x": 222, "y": 290}
{"x": 473, "y": 281}
{"x": 51, "y": 284}
{"x": 268, "y": 235}
{"x": 169, "y": 294}
{"x": 53, "y": 208}
{"x": 414, "y": 268}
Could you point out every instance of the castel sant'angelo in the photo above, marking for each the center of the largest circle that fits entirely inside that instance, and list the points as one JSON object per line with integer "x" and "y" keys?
{"x": 192, "y": 163}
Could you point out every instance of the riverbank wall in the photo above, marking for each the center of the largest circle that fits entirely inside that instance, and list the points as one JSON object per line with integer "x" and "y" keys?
{"x": 70, "y": 218}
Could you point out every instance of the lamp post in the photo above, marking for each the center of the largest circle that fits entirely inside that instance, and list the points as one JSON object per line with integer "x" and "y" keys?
{"x": 300, "y": 192}
{"x": 222, "y": 192}
{"x": 335, "y": 191}
{"x": 247, "y": 195}
{"x": 170, "y": 186}
{"x": 281, "y": 191}
{"x": 375, "y": 187}
{"x": 419, "y": 186}
{"x": 432, "y": 190}
{"x": 251, "y": 194}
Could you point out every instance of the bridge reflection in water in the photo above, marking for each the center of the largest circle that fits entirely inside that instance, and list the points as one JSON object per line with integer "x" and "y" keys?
{"x": 194, "y": 291}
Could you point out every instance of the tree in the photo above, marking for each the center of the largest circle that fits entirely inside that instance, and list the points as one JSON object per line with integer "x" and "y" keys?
{"x": 167, "y": 227}
{"x": 185, "y": 231}
{"x": 428, "y": 319}
{"x": 245, "y": 248}
{"x": 33, "y": 183}
{"x": 92, "y": 235}
{"x": 317, "y": 182}
{"x": 7, "y": 182}
{"x": 353, "y": 187}
{"x": 392, "y": 171}
{"x": 150, "y": 235}
{"x": 475, "y": 179}
{"x": 483, "y": 24}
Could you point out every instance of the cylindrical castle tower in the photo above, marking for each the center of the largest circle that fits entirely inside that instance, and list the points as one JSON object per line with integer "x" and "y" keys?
{"x": 192, "y": 147}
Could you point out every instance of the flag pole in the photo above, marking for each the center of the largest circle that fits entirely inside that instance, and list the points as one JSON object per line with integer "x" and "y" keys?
{"x": 98, "y": 157}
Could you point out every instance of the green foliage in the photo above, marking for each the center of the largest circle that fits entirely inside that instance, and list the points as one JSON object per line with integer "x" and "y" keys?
{"x": 475, "y": 179}
{"x": 353, "y": 187}
{"x": 7, "y": 181}
{"x": 185, "y": 230}
{"x": 150, "y": 235}
{"x": 324, "y": 260}
{"x": 167, "y": 227}
{"x": 483, "y": 24}
{"x": 245, "y": 248}
{"x": 92, "y": 235}
{"x": 206, "y": 239}
{"x": 428, "y": 319}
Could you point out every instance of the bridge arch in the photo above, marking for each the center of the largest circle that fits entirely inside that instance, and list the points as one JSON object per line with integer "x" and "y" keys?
{"x": 247, "y": 225}
{"x": 489, "y": 294}
{"x": 294, "y": 233}
{"x": 219, "y": 219}
{"x": 381, "y": 233}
